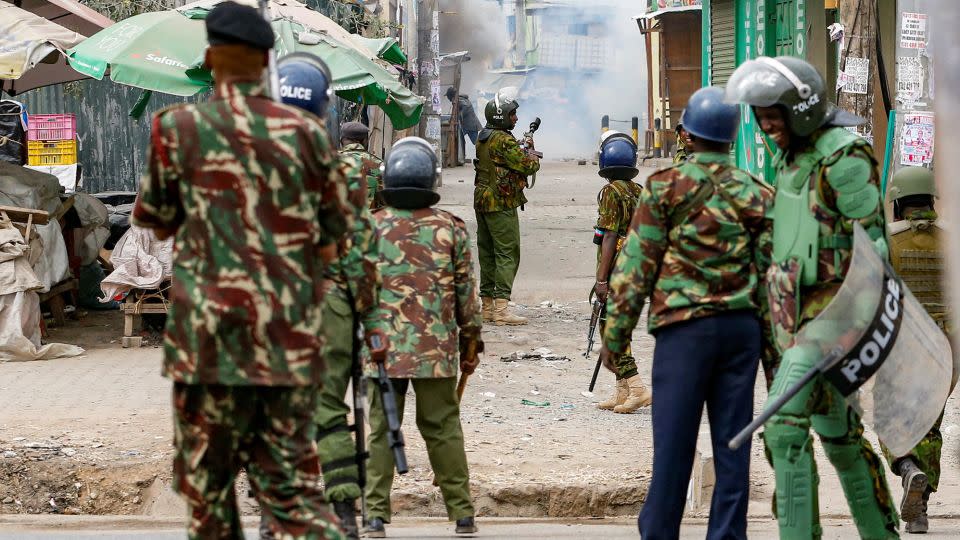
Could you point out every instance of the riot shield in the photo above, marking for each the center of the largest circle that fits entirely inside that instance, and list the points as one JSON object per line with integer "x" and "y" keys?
{"x": 895, "y": 364}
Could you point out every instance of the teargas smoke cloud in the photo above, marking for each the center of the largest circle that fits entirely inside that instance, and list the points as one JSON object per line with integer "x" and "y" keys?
{"x": 581, "y": 59}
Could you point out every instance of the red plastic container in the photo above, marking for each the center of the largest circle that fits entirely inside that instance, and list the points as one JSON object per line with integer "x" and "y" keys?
{"x": 51, "y": 127}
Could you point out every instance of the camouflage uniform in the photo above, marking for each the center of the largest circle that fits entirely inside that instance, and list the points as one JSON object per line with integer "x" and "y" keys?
{"x": 428, "y": 294}
{"x": 697, "y": 247}
{"x": 616, "y": 203}
{"x": 685, "y": 272}
{"x": 681, "y": 154}
{"x": 502, "y": 170}
{"x": 353, "y": 277}
{"x": 367, "y": 165}
{"x": 917, "y": 258}
{"x": 242, "y": 342}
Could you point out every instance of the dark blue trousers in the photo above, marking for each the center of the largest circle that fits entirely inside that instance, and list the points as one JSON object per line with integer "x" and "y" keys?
{"x": 710, "y": 360}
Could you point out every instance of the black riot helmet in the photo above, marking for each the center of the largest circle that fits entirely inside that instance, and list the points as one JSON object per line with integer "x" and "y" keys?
{"x": 410, "y": 174}
{"x": 791, "y": 83}
{"x": 498, "y": 111}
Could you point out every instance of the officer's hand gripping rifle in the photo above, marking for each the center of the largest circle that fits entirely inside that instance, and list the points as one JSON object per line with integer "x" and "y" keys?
{"x": 527, "y": 146}
{"x": 597, "y": 317}
{"x": 389, "y": 399}
{"x": 825, "y": 364}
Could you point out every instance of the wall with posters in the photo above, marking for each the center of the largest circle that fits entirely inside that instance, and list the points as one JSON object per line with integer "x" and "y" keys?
{"x": 914, "y": 90}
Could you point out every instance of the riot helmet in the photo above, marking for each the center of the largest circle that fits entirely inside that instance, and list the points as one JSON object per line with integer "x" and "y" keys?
{"x": 410, "y": 174}
{"x": 498, "y": 111}
{"x": 708, "y": 116}
{"x": 912, "y": 186}
{"x": 305, "y": 82}
{"x": 618, "y": 156}
{"x": 912, "y": 181}
{"x": 795, "y": 86}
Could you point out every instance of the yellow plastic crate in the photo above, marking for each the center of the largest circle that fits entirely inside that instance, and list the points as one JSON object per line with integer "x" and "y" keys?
{"x": 51, "y": 152}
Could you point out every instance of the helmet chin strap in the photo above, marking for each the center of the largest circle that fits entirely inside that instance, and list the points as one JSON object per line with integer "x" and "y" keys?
{"x": 803, "y": 89}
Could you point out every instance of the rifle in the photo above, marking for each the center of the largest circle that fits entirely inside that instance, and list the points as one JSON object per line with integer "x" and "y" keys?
{"x": 389, "y": 399}
{"x": 528, "y": 136}
{"x": 359, "y": 396}
{"x": 825, "y": 364}
{"x": 272, "y": 76}
{"x": 597, "y": 317}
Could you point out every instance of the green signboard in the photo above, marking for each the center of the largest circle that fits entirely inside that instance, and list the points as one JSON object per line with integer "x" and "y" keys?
{"x": 761, "y": 28}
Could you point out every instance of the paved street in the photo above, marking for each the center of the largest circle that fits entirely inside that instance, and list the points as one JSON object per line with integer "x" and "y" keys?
{"x": 108, "y": 528}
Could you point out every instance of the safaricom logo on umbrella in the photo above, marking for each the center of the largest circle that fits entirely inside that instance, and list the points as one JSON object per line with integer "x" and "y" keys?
{"x": 164, "y": 60}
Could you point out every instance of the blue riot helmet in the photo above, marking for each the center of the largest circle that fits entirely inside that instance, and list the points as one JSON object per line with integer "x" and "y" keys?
{"x": 305, "y": 82}
{"x": 410, "y": 174}
{"x": 709, "y": 117}
{"x": 618, "y": 156}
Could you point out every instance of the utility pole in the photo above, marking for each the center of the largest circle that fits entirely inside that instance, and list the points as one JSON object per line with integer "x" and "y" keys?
{"x": 858, "y": 61}
{"x": 428, "y": 70}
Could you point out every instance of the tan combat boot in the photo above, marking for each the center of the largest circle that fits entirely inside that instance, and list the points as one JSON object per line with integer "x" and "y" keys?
{"x": 487, "y": 308}
{"x": 502, "y": 315}
{"x": 639, "y": 396}
{"x": 620, "y": 393}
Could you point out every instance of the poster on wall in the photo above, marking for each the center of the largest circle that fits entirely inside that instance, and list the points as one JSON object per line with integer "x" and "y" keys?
{"x": 857, "y": 71}
{"x": 916, "y": 139}
{"x": 909, "y": 79}
{"x": 913, "y": 31}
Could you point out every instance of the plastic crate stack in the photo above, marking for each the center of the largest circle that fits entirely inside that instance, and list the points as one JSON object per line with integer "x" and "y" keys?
{"x": 51, "y": 139}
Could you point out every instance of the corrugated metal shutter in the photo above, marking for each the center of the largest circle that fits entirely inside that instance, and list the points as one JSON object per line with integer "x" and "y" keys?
{"x": 723, "y": 47}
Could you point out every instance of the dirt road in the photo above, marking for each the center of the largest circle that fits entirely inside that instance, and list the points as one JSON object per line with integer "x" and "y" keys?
{"x": 93, "y": 434}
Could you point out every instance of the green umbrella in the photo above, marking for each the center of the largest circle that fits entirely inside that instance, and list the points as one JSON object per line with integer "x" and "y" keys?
{"x": 150, "y": 51}
{"x": 160, "y": 51}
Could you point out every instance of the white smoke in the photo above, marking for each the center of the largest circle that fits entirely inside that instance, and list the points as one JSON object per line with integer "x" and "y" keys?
{"x": 570, "y": 102}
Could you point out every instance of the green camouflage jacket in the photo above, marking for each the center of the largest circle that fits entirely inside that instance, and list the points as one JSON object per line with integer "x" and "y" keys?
{"x": 429, "y": 291}
{"x": 692, "y": 258}
{"x": 355, "y": 270}
{"x": 502, "y": 171}
{"x": 615, "y": 205}
{"x": 367, "y": 166}
{"x": 251, "y": 188}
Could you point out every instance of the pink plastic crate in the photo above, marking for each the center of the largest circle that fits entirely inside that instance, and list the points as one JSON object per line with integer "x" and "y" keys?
{"x": 51, "y": 127}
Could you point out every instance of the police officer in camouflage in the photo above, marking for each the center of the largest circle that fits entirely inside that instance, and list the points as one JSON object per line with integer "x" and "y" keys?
{"x": 683, "y": 145}
{"x": 354, "y": 138}
{"x": 827, "y": 180}
{"x": 351, "y": 295}
{"x": 243, "y": 337}
{"x": 429, "y": 307}
{"x": 697, "y": 247}
{"x": 502, "y": 168}
{"x": 915, "y": 253}
{"x": 615, "y": 205}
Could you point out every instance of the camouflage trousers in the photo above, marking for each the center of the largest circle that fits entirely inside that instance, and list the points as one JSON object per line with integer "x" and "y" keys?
{"x": 269, "y": 431}
{"x": 625, "y": 364}
{"x": 438, "y": 420}
{"x": 334, "y": 442}
{"x": 926, "y": 455}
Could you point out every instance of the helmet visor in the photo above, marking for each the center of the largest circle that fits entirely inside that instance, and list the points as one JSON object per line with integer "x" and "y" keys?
{"x": 757, "y": 84}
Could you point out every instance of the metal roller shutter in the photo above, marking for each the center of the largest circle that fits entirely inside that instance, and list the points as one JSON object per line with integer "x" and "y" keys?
{"x": 723, "y": 46}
